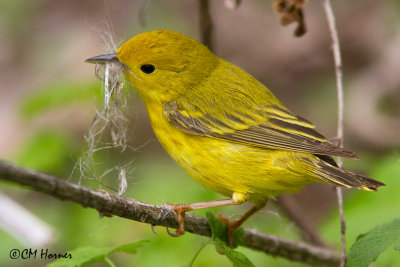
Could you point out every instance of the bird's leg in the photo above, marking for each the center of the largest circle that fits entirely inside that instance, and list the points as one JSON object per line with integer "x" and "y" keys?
{"x": 181, "y": 209}
{"x": 234, "y": 224}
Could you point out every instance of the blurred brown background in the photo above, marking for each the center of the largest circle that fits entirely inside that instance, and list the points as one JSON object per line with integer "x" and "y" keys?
{"x": 46, "y": 41}
{"x": 43, "y": 45}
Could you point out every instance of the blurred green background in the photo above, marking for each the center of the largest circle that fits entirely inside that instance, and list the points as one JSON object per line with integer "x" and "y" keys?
{"x": 49, "y": 97}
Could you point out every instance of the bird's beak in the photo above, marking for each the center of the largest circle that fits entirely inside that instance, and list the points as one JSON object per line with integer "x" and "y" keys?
{"x": 103, "y": 59}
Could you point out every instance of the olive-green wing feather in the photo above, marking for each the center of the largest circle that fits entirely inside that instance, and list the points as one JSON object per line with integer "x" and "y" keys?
{"x": 293, "y": 133}
{"x": 240, "y": 109}
{"x": 329, "y": 172}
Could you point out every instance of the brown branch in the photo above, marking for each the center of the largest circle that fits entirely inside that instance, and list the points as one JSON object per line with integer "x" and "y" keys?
{"x": 109, "y": 205}
{"x": 206, "y": 26}
{"x": 339, "y": 83}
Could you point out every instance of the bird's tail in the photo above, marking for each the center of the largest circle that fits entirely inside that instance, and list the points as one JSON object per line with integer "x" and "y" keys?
{"x": 339, "y": 177}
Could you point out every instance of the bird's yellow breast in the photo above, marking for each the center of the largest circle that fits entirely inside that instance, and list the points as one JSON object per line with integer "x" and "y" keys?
{"x": 228, "y": 167}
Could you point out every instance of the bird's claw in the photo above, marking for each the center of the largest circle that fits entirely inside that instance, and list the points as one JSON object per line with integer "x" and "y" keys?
{"x": 223, "y": 219}
{"x": 180, "y": 211}
{"x": 232, "y": 225}
{"x": 176, "y": 234}
{"x": 153, "y": 229}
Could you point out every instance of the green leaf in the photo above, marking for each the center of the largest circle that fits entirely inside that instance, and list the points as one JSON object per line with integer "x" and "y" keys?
{"x": 219, "y": 237}
{"x": 130, "y": 247}
{"x": 237, "y": 258}
{"x": 218, "y": 228}
{"x": 86, "y": 255}
{"x": 81, "y": 256}
{"x": 369, "y": 245}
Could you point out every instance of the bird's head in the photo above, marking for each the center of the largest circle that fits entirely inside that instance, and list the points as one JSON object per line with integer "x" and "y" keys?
{"x": 161, "y": 65}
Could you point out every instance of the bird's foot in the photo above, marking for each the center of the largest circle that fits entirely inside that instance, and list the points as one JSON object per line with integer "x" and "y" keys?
{"x": 232, "y": 226}
{"x": 180, "y": 210}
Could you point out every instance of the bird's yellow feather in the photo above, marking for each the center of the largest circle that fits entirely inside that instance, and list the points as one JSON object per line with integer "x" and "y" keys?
{"x": 226, "y": 129}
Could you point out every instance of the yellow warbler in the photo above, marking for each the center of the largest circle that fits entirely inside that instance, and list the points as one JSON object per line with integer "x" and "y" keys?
{"x": 226, "y": 129}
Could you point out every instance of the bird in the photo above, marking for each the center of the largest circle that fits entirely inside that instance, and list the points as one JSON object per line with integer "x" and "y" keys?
{"x": 224, "y": 127}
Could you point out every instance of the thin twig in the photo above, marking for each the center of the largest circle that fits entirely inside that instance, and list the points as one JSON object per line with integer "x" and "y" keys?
{"x": 109, "y": 204}
{"x": 339, "y": 82}
{"x": 206, "y": 26}
{"x": 342, "y": 226}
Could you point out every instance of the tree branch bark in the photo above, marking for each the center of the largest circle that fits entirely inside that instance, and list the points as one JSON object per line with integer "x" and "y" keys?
{"x": 110, "y": 205}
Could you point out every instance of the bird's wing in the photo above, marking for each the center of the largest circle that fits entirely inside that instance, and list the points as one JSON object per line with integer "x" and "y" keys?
{"x": 240, "y": 109}
{"x": 275, "y": 128}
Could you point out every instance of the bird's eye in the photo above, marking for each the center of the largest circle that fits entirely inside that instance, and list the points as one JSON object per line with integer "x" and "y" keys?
{"x": 147, "y": 68}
